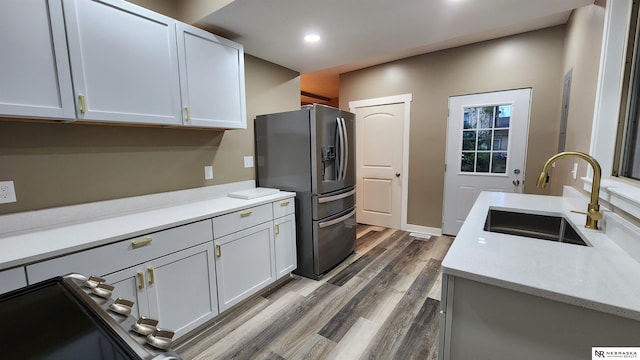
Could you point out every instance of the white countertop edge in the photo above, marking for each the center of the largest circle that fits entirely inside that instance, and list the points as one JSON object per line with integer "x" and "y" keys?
{"x": 29, "y": 247}
{"x": 568, "y": 299}
{"x": 537, "y": 267}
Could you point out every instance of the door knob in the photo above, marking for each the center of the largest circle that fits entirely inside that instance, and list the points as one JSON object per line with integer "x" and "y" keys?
{"x": 397, "y": 174}
{"x": 516, "y": 182}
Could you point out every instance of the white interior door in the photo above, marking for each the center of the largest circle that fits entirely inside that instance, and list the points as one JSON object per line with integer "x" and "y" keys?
{"x": 486, "y": 149}
{"x": 379, "y": 159}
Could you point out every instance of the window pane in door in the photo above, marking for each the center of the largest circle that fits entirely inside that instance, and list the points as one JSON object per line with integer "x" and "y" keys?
{"x": 470, "y": 118}
{"x": 483, "y": 160}
{"x": 499, "y": 163}
{"x": 503, "y": 116}
{"x": 468, "y": 161}
{"x": 500, "y": 139}
{"x": 484, "y": 140}
{"x": 469, "y": 140}
{"x": 486, "y": 117}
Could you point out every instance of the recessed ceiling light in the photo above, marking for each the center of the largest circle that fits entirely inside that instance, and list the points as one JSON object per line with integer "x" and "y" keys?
{"x": 312, "y": 38}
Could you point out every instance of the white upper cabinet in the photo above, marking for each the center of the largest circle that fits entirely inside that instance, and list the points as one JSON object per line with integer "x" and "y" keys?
{"x": 123, "y": 61}
{"x": 116, "y": 62}
{"x": 34, "y": 67}
{"x": 211, "y": 79}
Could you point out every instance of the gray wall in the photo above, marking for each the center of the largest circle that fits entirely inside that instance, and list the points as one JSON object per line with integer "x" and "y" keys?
{"x": 54, "y": 164}
{"x": 533, "y": 59}
{"x": 582, "y": 54}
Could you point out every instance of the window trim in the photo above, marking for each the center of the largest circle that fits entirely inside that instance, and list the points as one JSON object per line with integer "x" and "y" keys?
{"x": 604, "y": 132}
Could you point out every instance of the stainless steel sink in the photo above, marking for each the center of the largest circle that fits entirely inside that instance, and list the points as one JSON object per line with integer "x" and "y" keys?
{"x": 544, "y": 227}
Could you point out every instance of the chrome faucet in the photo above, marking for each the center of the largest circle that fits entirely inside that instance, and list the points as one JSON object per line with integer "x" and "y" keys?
{"x": 593, "y": 213}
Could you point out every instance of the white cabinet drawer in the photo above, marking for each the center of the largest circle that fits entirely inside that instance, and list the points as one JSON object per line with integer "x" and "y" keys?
{"x": 113, "y": 257}
{"x": 236, "y": 221}
{"x": 283, "y": 207}
{"x": 12, "y": 279}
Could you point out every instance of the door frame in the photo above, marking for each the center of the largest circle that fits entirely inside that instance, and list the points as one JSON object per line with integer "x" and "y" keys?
{"x": 388, "y": 100}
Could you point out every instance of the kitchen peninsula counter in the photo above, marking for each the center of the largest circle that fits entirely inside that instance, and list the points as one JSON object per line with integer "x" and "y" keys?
{"x": 602, "y": 276}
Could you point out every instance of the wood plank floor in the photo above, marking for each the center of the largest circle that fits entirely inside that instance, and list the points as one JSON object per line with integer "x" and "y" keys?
{"x": 381, "y": 303}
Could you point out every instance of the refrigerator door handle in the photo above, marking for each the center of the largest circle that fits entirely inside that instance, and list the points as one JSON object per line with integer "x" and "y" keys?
{"x": 345, "y": 151}
{"x": 335, "y": 221}
{"x": 340, "y": 148}
{"x": 336, "y": 197}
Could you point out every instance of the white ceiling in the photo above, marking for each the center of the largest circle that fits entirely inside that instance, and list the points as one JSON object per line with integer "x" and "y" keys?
{"x": 361, "y": 33}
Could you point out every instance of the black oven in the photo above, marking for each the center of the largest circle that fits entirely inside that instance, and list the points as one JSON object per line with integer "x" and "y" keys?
{"x": 65, "y": 318}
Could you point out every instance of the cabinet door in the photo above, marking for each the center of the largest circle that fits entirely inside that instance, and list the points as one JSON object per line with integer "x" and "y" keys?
{"x": 35, "y": 75}
{"x": 244, "y": 263}
{"x": 285, "y": 245}
{"x": 211, "y": 79}
{"x": 12, "y": 279}
{"x": 182, "y": 288}
{"x": 123, "y": 61}
{"x": 131, "y": 284}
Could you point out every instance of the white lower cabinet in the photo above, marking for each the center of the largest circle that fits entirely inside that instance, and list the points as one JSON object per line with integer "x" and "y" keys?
{"x": 285, "y": 245}
{"x": 177, "y": 289}
{"x": 244, "y": 263}
{"x": 12, "y": 279}
{"x": 130, "y": 284}
{"x": 186, "y": 275}
{"x": 482, "y": 321}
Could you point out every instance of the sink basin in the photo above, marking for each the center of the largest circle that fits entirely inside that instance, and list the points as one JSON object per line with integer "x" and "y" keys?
{"x": 544, "y": 227}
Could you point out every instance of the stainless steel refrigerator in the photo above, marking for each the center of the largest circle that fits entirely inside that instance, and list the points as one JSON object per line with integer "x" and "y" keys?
{"x": 312, "y": 152}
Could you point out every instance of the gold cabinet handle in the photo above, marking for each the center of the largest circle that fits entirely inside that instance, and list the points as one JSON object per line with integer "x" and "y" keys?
{"x": 140, "y": 280}
{"x": 277, "y": 229}
{"x": 83, "y": 104}
{"x": 284, "y": 203}
{"x": 141, "y": 243}
{"x": 152, "y": 278}
{"x": 187, "y": 114}
{"x": 246, "y": 213}
{"x": 218, "y": 250}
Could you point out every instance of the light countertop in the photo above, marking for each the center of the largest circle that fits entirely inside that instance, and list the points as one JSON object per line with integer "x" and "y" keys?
{"x": 603, "y": 276}
{"x": 25, "y": 246}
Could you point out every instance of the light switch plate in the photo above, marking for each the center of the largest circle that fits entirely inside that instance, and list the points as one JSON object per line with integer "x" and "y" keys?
{"x": 7, "y": 192}
{"x": 248, "y": 161}
{"x": 208, "y": 172}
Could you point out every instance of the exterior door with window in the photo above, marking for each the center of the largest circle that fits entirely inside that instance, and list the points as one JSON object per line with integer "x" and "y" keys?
{"x": 486, "y": 150}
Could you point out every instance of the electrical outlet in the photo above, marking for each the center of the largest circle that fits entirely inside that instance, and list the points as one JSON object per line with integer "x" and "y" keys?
{"x": 248, "y": 161}
{"x": 7, "y": 192}
{"x": 208, "y": 172}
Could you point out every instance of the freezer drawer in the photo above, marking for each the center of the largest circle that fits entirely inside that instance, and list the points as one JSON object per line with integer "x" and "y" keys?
{"x": 328, "y": 205}
{"x": 334, "y": 240}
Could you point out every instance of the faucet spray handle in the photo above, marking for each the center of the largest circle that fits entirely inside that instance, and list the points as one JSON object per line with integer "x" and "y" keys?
{"x": 594, "y": 214}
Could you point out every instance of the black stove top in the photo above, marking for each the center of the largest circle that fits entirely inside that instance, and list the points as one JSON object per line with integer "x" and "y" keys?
{"x": 58, "y": 319}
